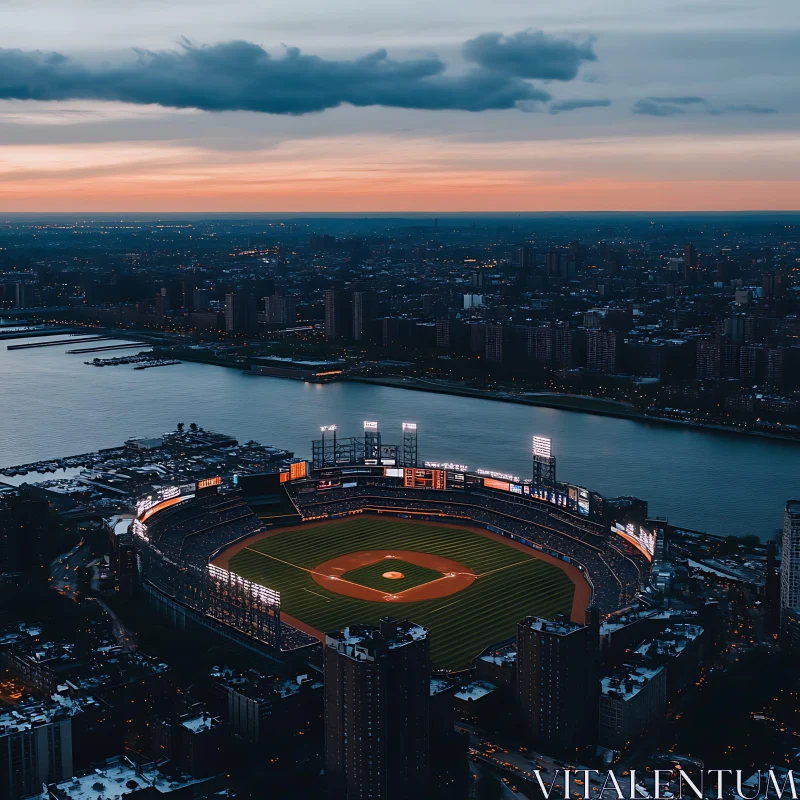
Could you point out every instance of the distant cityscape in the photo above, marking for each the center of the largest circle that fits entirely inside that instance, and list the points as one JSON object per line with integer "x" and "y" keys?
{"x": 686, "y": 318}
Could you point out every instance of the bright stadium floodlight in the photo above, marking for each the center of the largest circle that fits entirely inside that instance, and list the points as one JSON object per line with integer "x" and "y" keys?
{"x": 327, "y": 428}
{"x": 409, "y": 426}
{"x": 370, "y": 426}
{"x": 541, "y": 446}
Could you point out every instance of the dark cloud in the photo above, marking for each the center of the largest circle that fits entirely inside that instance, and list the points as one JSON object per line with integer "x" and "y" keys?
{"x": 748, "y": 109}
{"x": 241, "y": 76}
{"x": 530, "y": 54}
{"x": 574, "y": 105}
{"x": 677, "y": 101}
{"x": 665, "y": 106}
{"x": 670, "y": 106}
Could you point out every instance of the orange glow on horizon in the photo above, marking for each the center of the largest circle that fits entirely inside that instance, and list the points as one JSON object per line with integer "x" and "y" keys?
{"x": 386, "y": 173}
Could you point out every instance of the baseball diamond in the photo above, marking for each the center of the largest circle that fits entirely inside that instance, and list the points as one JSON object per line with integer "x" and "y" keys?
{"x": 469, "y": 587}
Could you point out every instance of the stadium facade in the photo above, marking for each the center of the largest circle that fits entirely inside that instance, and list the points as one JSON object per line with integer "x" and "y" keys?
{"x": 180, "y": 530}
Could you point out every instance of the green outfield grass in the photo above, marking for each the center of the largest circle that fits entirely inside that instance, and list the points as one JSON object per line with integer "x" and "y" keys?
{"x": 510, "y": 586}
{"x": 372, "y": 575}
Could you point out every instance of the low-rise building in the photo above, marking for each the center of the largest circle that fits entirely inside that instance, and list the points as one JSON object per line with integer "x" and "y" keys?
{"x": 476, "y": 702}
{"x": 630, "y": 702}
{"x": 121, "y": 776}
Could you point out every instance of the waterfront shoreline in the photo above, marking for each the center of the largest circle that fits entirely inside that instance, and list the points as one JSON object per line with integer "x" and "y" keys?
{"x": 584, "y": 404}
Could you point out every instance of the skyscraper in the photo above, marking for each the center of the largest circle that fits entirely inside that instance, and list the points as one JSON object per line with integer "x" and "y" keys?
{"x": 494, "y": 342}
{"x": 363, "y": 314}
{"x": 281, "y": 309}
{"x": 601, "y": 350}
{"x": 690, "y": 263}
{"x": 557, "y": 681}
{"x": 552, "y": 263}
{"x": 333, "y": 313}
{"x": 241, "y": 313}
{"x": 377, "y": 687}
{"x": 790, "y": 558}
{"x": 526, "y": 264}
{"x": 772, "y": 285}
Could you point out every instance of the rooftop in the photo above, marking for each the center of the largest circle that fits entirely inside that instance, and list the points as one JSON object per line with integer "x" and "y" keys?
{"x": 439, "y": 685}
{"x": 476, "y": 690}
{"x": 506, "y": 659}
{"x": 119, "y": 776}
{"x": 362, "y": 642}
{"x": 560, "y": 626}
{"x": 24, "y": 717}
{"x": 627, "y": 684}
{"x": 200, "y": 723}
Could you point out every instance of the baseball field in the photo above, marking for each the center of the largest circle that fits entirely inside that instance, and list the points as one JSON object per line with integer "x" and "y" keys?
{"x": 467, "y": 586}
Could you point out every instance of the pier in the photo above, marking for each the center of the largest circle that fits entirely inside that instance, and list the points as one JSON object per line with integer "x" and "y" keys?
{"x": 108, "y": 347}
{"x": 30, "y": 334}
{"x": 57, "y": 342}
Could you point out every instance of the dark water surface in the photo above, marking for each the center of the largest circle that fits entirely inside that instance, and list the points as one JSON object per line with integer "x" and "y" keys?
{"x": 52, "y": 405}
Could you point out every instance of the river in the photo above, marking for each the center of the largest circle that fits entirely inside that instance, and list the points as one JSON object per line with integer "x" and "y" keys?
{"x": 53, "y": 405}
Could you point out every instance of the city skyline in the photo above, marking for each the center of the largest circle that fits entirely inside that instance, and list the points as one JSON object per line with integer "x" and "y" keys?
{"x": 676, "y": 106}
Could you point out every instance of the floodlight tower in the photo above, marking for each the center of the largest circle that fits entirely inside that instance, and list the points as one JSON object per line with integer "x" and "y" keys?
{"x": 329, "y": 448}
{"x": 544, "y": 463}
{"x": 410, "y": 450}
{"x": 372, "y": 443}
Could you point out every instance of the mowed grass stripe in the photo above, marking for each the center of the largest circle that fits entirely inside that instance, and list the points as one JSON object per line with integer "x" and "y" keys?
{"x": 513, "y": 585}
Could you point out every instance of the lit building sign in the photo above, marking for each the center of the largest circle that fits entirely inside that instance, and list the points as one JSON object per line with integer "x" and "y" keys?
{"x": 641, "y": 538}
{"x": 447, "y": 465}
{"x": 258, "y": 591}
{"x": 491, "y": 483}
{"x": 168, "y": 492}
{"x": 500, "y": 476}
{"x": 207, "y": 483}
{"x": 163, "y": 504}
{"x": 541, "y": 446}
{"x": 370, "y": 426}
{"x": 163, "y": 498}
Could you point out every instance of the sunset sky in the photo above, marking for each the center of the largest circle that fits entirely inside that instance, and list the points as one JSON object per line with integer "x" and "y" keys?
{"x": 338, "y": 105}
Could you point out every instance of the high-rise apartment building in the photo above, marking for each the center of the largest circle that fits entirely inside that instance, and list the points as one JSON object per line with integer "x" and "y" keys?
{"x": 790, "y": 558}
{"x": 601, "y": 350}
{"x": 363, "y": 314}
{"x": 35, "y": 749}
{"x": 494, "y": 342}
{"x": 281, "y": 309}
{"x": 334, "y": 313}
{"x": 557, "y": 681}
{"x": 377, "y": 694}
{"x": 241, "y": 313}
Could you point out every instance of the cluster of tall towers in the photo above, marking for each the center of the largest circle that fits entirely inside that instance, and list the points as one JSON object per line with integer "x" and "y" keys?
{"x": 378, "y": 717}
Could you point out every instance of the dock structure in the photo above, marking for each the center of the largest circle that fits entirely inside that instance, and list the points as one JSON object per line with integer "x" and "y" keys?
{"x": 109, "y": 347}
{"x": 39, "y": 332}
{"x": 57, "y": 342}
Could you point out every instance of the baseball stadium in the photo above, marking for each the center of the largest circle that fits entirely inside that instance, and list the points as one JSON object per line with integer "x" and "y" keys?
{"x": 362, "y": 531}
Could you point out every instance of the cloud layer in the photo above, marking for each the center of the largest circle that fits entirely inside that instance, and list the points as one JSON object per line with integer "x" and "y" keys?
{"x": 575, "y": 105}
{"x": 241, "y": 76}
{"x": 672, "y": 106}
{"x": 530, "y": 54}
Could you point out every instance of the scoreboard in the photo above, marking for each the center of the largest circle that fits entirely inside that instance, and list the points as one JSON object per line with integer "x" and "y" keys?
{"x": 415, "y": 478}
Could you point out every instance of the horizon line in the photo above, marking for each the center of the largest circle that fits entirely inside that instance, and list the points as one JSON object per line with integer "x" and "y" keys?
{"x": 421, "y": 214}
